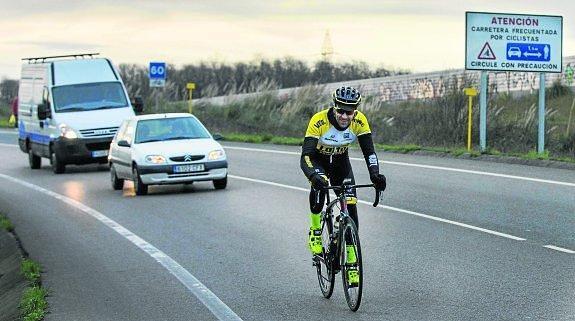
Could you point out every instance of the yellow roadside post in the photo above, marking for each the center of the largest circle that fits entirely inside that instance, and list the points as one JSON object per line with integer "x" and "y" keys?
{"x": 190, "y": 86}
{"x": 470, "y": 93}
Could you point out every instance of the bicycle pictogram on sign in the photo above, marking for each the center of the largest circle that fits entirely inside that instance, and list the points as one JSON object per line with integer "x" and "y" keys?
{"x": 486, "y": 52}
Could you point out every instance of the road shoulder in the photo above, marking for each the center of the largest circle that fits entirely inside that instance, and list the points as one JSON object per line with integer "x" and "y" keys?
{"x": 12, "y": 282}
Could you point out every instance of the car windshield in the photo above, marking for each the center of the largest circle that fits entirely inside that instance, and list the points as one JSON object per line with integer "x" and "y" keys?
{"x": 84, "y": 97}
{"x": 153, "y": 130}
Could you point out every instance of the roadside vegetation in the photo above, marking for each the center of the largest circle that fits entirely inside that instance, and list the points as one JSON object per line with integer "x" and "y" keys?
{"x": 33, "y": 304}
{"x": 4, "y": 114}
{"x": 8, "y": 90}
{"x": 436, "y": 125}
{"x": 6, "y": 224}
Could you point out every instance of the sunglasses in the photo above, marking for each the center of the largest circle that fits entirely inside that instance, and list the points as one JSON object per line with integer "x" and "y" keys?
{"x": 342, "y": 111}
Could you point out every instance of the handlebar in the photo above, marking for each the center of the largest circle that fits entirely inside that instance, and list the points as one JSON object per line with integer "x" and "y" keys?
{"x": 348, "y": 186}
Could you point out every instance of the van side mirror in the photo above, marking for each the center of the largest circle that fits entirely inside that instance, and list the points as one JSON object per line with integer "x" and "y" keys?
{"x": 138, "y": 104}
{"x": 217, "y": 136}
{"x": 44, "y": 111}
{"x": 123, "y": 143}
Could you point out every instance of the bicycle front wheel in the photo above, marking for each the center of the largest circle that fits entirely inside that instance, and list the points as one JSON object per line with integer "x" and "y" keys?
{"x": 324, "y": 262}
{"x": 352, "y": 272}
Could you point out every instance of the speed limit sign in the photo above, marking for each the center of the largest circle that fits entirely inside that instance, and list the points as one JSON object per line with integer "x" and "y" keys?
{"x": 157, "y": 74}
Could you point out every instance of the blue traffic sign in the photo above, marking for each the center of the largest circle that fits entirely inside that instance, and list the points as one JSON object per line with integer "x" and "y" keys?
{"x": 528, "y": 51}
{"x": 157, "y": 70}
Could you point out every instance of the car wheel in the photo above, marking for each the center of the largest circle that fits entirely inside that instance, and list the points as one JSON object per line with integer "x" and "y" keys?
{"x": 220, "y": 183}
{"x": 117, "y": 183}
{"x": 141, "y": 188}
{"x": 57, "y": 166}
{"x": 34, "y": 161}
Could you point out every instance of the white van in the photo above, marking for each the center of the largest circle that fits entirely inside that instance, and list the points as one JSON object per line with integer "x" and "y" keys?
{"x": 69, "y": 109}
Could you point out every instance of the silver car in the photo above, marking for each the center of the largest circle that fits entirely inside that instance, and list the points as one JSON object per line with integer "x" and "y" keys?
{"x": 165, "y": 149}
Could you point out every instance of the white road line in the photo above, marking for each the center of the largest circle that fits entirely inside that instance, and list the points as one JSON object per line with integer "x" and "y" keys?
{"x": 209, "y": 299}
{"x": 560, "y": 249}
{"x": 483, "y": 173}
{"x": 8, "y": 145}
{"x": 480, "y": 229}
{"x": 438, "y": 219}
{"x": 269, "y": 183}
{"x": 11, "y": 132}
{"x": 273, "y": 151}
{"x": 420, "y": 166}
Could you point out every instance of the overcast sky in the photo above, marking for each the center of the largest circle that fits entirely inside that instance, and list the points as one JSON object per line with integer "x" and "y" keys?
{"x": 414, "y": 35}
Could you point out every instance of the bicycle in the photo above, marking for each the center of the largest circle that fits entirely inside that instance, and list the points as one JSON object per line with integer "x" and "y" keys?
{"x": 339, "y": 233}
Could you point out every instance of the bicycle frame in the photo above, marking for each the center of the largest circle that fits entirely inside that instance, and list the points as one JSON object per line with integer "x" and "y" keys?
{"x": 336, "y": 236}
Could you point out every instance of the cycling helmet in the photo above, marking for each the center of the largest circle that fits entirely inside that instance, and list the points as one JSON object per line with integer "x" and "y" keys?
{"x": 346, "y": 98}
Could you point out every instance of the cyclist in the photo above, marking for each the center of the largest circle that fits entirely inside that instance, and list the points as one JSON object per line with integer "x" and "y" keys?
{"x": 325, "y": 159}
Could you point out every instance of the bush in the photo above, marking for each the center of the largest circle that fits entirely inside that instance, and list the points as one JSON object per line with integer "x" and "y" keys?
{"x": 557, "y": 90}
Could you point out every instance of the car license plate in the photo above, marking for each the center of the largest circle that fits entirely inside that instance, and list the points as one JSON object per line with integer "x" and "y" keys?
{"x": 188, "y": 168}
{"x": 99, "y": 153}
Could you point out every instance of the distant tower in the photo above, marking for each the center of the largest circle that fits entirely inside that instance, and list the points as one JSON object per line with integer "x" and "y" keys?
{"x": 327, "y": 48}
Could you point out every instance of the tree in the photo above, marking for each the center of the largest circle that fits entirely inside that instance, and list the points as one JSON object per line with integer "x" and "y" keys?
{"x": 216, "y": 79}
{"x": 8, "y": 90}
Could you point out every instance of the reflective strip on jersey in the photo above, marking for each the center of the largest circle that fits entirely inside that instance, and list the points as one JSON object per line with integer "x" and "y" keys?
{"x": 372, "y": 159}
{"x": 308, "y": 161}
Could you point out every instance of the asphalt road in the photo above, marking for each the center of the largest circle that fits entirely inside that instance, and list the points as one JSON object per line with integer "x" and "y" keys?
{"x": 484, "y": 242}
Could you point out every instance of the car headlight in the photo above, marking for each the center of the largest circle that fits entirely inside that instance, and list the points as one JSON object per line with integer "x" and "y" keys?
{"x": 68, "y": 132}
{"x": 216, "y": 154}
{"x": 155, "y": 159}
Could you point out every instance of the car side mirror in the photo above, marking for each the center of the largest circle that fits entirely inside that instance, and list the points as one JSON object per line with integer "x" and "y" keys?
{"x": 138, "y": 104}
{"x": 43, "y": 111}
{"x": 123, "y": 143}
{"x": 218, "y": 136}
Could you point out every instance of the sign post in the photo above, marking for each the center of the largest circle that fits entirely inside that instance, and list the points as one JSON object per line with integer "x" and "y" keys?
{"x": 157, "y": 74}
{"x": 541, "y": 127}
{"x": 483, "y": 112}
{"x": 190, "y": 86}
{"x": 513, "y": 42}
{"x": 470, "y": 93}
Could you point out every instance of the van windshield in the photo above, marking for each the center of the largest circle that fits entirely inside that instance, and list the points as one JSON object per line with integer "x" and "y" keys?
{"x": 84, "y": 97}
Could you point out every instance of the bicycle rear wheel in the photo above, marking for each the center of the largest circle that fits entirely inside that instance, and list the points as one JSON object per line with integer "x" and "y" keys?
{"x": 352, "y": 290}
{"x": 324, "y": 262}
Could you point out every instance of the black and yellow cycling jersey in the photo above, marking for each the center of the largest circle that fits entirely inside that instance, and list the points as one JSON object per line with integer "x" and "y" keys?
{"x": 333, "y": 140}
{"x": 326, "y": 142}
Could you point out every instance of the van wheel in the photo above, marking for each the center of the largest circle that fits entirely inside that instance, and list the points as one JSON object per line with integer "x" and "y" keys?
{"x": 34, "y": 161}
{"x": 141, "y": 188}
{"x": 117, "y": 183}
{"x": 220, "y": 183}
{"x": 57, "y": 166}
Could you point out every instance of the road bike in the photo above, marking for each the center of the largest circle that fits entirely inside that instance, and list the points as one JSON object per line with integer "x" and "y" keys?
{"x": 341, "y": 249}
